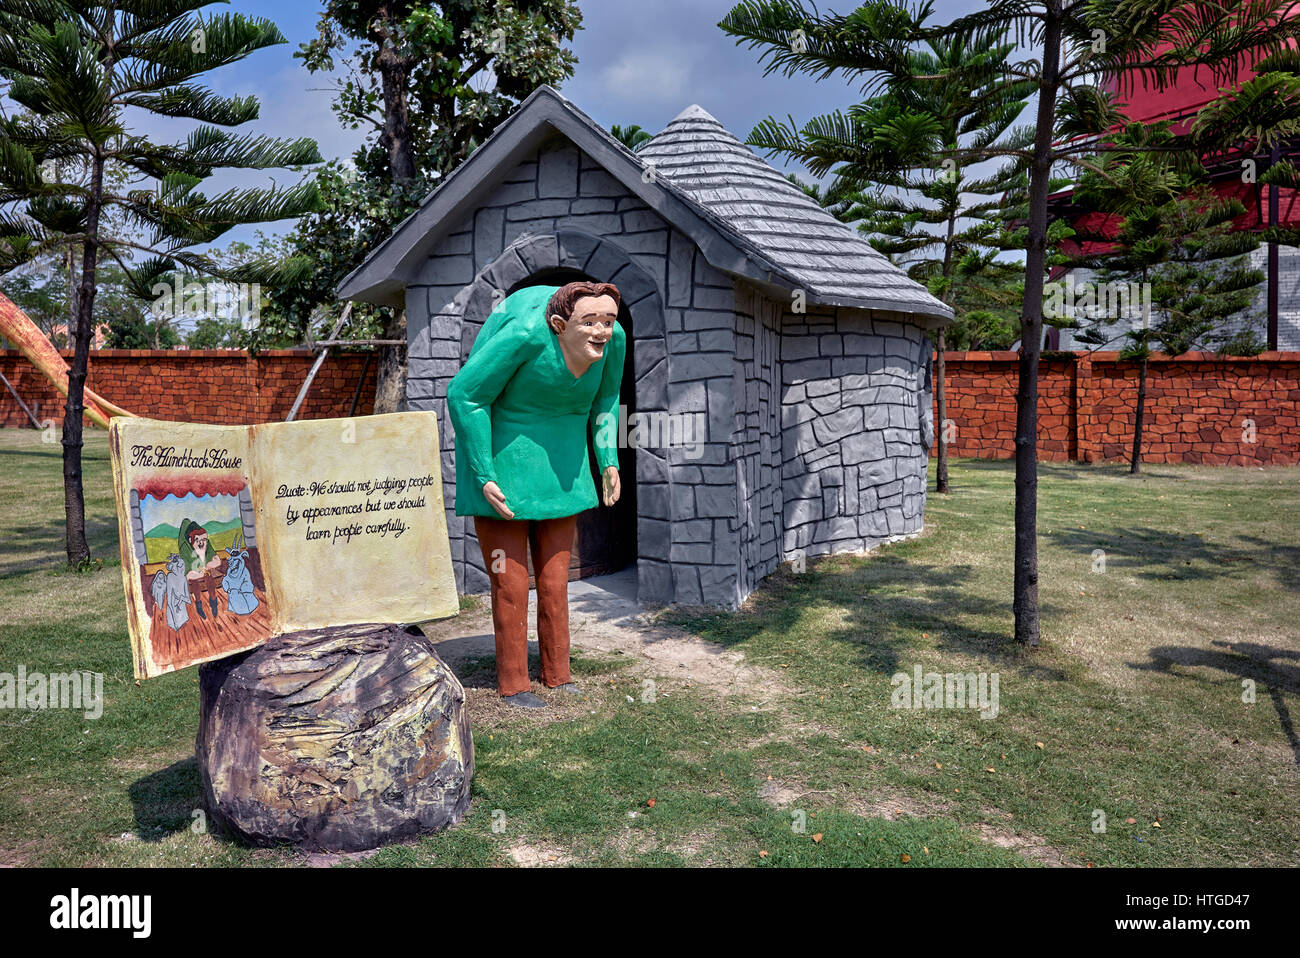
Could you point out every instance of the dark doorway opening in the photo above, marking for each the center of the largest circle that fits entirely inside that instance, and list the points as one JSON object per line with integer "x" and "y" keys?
{"x": 606, "y": 537}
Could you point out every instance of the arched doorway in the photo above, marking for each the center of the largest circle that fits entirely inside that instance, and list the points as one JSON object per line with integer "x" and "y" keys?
{"x": 606, "y": 539}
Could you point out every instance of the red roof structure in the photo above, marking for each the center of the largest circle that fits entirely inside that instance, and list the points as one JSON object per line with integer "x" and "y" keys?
{"x": 1178, "y": 102}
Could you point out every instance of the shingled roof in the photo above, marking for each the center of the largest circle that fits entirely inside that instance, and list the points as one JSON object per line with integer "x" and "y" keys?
{"x": 743, "y": 215}
{"x": 833, "y": 262}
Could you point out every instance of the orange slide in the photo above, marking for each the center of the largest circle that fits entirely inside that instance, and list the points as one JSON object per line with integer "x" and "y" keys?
{"x": 16, "y": 327}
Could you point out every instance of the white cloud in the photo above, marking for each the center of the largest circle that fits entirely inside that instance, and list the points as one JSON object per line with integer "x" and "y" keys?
{"x": 650, "y": 77}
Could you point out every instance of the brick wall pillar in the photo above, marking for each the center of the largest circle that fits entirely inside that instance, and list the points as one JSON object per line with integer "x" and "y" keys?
{"x": 1084, "y": 397}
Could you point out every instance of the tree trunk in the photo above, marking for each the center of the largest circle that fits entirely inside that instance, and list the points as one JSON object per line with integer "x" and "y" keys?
{"x": 941, "y": 401}
{"x": 390, "y": 375}
{"x": 394, "y": 84}
{"x": 940, "y": 387}
{"x": 74, "y": 501}
{"x": 72, "y": 294}
{"x": 1135, "y": 462}
{"x": 1025, "y": 589}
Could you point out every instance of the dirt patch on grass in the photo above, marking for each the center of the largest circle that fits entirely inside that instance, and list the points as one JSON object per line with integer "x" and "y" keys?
{"x": 537, "y": 856}
{"x": 887, "y": 803}
{"x": 489, "y": 711}
{"x": 691, "y": 844}
{"x": 1032, "y": 847}
{"x": 893, "y": 804}
{"x": 605, "y": 619}
{"x": 636, "y": 841}
{"x": 670, "y": 652}
{"x": 22, "y": 855}
{"x": 779, "y": 794}
{"x": 330, "y": 859}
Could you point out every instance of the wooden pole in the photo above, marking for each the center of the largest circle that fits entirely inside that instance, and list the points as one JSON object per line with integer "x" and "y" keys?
{"x": 359, "y": 342}
{"x": 19, "y": 399}
{"x": 1272, "y": 256}
{"x": 315, "y": 367}
{"x": 361, "y": 381}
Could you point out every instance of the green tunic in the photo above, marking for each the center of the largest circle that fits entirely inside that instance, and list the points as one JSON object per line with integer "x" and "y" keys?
{"x": 194, "y": 560}
{"x": 521, "y": 418}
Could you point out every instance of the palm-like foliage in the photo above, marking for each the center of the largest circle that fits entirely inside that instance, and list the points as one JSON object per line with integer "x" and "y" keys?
{"x": 1066, "y": 50}
{"x": 928, "y": 217}
{"x": 76, "y": 67}
{"x": 1252, "y": 124}
{"x": 1175, "y": 239}
{"x": 632, "y": 136}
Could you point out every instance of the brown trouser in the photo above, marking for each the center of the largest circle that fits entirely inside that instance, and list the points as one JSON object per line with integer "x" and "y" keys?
{"x": 504, "y": 543}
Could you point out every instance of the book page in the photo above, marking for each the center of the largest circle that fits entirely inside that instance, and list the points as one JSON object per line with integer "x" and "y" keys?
{"x": 352, "y": 519}
{"x": 192, "y": 562}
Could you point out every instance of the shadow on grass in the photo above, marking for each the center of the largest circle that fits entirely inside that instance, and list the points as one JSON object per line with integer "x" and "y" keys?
{"x": 887, "y": 601}
{"x": 1245, "y": 660}
{"x": 1166, "y": 555}
{"x": 45, "y": 544}
{"x": 1072, "y": 470}
{"x": 164, "y": 801}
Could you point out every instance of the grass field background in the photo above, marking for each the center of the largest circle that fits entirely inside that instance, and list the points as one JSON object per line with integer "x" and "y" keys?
{"x": 1132, "y": 709}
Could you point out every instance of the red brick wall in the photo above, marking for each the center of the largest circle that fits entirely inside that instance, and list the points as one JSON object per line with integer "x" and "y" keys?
{"x": 197, "y": 385}
{"x": 1197, "y": 407}
{"x": 1196, "y": 403}
{"x": 982, "y": 404}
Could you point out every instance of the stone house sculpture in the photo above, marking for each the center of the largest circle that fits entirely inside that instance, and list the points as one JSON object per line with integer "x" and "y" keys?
{"x": 777, "y": 385}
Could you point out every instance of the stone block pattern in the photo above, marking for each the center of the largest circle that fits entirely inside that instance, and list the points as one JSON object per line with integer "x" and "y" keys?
{"x": 559, "y": 208}
{"x": 854, "y": 445}
{"x": 704, "y": 503}
{"x": 757, "y": 440}
{"x": 982, "y": 406}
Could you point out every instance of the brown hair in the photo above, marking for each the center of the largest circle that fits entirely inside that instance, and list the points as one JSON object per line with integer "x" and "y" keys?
{"x": 566, "y": 297}
{"x": 196, "y": 530}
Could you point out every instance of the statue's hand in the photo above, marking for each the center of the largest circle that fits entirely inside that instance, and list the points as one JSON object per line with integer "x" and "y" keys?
{"x": 497, "y": 500}
{"x": 612, "y": 487}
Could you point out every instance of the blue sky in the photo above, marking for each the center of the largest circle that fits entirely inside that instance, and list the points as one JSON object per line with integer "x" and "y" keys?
{"x": 173, "y": 510}
{"x": 639, "y": 61}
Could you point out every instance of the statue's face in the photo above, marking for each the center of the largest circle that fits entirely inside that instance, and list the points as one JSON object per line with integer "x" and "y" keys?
{"x": 589, "y": 329}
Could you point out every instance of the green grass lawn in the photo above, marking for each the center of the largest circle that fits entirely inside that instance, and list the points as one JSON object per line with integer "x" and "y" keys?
{"x": 1133, "y": 707}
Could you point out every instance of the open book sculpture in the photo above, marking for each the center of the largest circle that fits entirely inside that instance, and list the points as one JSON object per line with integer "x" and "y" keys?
{"x": 234, "y": 534}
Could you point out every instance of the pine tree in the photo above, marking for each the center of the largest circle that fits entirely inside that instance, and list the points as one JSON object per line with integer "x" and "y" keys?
{"x": 1187, "y": 259}
{"x": 76, "y": 67}
{"x": 1066, "y": 49}
{"x": 934, "y": 220}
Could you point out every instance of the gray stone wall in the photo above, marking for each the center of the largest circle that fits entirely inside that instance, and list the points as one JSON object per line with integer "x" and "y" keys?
{"x": 137, "y": 527}
{"x": 705, "y": 539}
{"x": 855, "y": 434}
{"x": 247, "y": 515}
{"x": 757, "y": 440}
{"x": 797, "y": 433}
{"x": 560, "y": 208}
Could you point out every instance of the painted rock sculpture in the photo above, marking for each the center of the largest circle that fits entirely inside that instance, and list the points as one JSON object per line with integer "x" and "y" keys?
{"x": 337, "y": 739}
